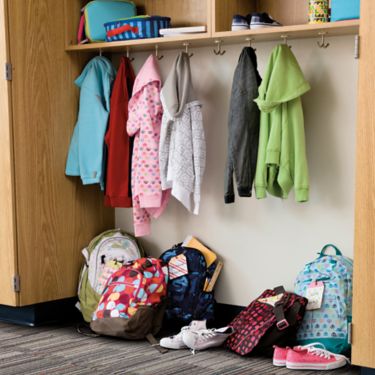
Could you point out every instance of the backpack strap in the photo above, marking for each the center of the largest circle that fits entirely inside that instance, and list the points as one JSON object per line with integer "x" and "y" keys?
{"x": 278, "y": 310}
{"x": 155, "y": 343}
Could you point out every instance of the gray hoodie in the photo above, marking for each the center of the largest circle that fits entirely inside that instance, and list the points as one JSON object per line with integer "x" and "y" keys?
{"x": 182, "y": 151}
{"x": 244, "y": 117}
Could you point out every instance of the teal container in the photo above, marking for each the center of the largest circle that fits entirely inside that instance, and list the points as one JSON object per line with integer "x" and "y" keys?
{"x": 344, "y": 10}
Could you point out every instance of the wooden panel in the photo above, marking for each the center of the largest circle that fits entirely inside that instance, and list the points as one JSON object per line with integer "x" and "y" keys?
{"x": 287, "y": 12}
{"x": 363, "y": 352}
{"x": 294, "y": 32}
{"x": 8, "y": 259}
{"x": 224, "y": 10}
{"x": 56, "y": 216}
{"x": 182, "y": 12}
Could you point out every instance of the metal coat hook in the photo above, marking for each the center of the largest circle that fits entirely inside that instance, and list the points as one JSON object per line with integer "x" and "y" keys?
{"x": 322, "y": 43}
{"x": 128, "y": 55}
{"x": 218, "y": 51}
{"x": 157, "y": 52}
{"x": 100, "y": 52}
{"x": 187, "y": 45}
{"x": 285, "y": 39}
{"x": 250, "y": 41}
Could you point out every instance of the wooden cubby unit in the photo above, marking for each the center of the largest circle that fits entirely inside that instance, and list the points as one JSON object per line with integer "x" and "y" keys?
{"x": 217, "y": 16}
{"x": 287, "y": 12}
{"x": 182, "y": 13}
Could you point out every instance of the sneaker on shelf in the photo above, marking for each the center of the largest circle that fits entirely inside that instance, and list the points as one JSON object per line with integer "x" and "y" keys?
{"x": 314, "y": 357}
{"x": 261, "y": 20}
{"x": 176, "y": 341}
{"x": 279, "y": 356}
{"x": 240, "y": 23}
{"x": 207, "y": 338}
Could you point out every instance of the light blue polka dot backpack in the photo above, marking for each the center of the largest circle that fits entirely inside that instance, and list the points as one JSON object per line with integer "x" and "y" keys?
{"x": 327, "y": 283}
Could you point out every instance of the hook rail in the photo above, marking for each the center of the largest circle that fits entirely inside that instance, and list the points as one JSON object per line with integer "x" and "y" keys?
{"x": 285, "y": 39}
{"x": 218, "y": 51}
{"x": 128, "y": 55}
{"x": 250, "y": 42}
{"x": 157, "y": 52}
{"x": 187, "y": 45}
{"x": 322, "y": 43}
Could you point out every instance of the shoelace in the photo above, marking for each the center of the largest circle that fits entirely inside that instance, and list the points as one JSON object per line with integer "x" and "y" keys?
{"x": 320, "y": 350}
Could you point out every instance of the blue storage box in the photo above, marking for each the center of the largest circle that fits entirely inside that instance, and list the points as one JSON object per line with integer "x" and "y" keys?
{"x": 344, "y": 10}
{"x": 140, "y": 27}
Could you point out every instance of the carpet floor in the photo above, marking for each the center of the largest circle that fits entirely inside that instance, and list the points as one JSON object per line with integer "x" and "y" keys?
{"x": 61, "y": 350}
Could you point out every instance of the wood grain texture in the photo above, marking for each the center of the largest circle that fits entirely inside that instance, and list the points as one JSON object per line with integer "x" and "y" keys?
{"x": 224, "y": 10}
{"x": 8, "y": 259}
{"x": 294, "y": 32}
{"x": 182, "y": 12}
{"x": 363, "y": 352}
{"x": 287, "y": 12}
{"x": 56, "y": 216}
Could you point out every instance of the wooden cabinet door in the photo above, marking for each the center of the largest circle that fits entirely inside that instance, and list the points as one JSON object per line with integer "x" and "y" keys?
{"x": 364, "y": 256}
{"x": 56, "y": 216}
{"x": 8, "y": 259}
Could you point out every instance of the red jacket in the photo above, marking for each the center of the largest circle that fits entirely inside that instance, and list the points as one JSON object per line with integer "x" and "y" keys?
{"x": 120, "y": 145}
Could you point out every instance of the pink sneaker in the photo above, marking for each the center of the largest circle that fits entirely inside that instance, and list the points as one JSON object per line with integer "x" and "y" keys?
{"x": 279, "y": 356}
{"x": 314, "y": 357}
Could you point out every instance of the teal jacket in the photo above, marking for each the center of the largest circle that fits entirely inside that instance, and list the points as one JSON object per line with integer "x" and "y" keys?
{"x": 86, "y": 157}
{"x": 282, "y": 162}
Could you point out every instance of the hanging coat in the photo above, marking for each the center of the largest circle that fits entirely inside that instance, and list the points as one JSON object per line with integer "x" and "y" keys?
{"x": 282, "y": 162}
{"x": 243, "y": 127}
{"x": 145, "y": 113}
{"x": 182, "y": 142}
{"x": 86, "y": 157}
{"x": 119, "y": 144}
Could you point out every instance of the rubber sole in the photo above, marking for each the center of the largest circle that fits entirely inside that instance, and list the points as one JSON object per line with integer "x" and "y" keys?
{"x": 314, "y": 366}
{"x": 279, "y": 363}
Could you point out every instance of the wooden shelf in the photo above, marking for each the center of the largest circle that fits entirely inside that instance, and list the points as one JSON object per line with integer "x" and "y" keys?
{"x": 267, "y": 34}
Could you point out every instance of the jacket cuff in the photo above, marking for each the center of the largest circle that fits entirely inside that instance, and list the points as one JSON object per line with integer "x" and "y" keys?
{"x": 260, "y": 192}
{"x": 150, "y": 201}
{"x": 244, "y": 192}
{"x": 228, "y": 198}
{"x": 302, "y": 195}
{"x": 143, "y": 229}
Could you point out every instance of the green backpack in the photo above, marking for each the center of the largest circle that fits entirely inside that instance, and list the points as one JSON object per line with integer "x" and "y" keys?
{"x": 113, "y": 246}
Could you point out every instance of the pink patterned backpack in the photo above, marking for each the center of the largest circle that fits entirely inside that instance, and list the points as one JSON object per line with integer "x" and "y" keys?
{"x": 132, "y": 303}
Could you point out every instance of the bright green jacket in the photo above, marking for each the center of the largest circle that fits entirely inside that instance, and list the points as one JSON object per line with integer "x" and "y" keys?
{"x": 282, "y": 162}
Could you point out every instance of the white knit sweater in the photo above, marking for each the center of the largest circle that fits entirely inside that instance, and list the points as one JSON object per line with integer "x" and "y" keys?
{"x": 182, "y": 154}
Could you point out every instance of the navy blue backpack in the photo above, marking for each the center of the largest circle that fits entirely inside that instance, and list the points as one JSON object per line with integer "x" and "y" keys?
{"x": 187, "y": 299}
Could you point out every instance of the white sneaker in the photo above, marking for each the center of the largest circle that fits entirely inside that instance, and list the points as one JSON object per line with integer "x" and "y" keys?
{"x": 176, "y": 341}
{"x": 207, "y": 338}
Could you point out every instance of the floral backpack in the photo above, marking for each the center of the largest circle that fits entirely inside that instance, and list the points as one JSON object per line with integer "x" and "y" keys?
{"x": 112, "y": 245}
{"x": 327, "y": 283}
{"x": 132, "y": 303}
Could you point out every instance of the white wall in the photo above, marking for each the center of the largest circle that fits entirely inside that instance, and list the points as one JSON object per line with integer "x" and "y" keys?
{"x": 265, "y": 243}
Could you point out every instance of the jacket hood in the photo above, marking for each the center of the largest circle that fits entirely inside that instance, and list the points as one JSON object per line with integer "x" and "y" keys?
{"x": 148, "y": 73}
{"x": 283, "y": 80}
{"x": 100, "y": 65}
{"x": 178, "y": 89}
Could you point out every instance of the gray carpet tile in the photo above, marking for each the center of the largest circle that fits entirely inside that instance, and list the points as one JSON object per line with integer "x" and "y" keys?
{"x": 61, "y": 350}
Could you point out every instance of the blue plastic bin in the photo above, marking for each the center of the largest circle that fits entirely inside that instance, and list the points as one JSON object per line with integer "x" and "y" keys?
{"x": 344, "y": 10}
{"x": 140, "y": 27}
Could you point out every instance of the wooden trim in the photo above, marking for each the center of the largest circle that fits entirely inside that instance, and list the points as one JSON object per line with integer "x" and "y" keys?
{"x": 8, "y": 254}
{"x": 363, "y": 352}
{"x": 294, "y": 32}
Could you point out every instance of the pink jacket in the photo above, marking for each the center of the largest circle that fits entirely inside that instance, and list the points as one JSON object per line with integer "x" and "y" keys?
{"x": 144, "y": 122}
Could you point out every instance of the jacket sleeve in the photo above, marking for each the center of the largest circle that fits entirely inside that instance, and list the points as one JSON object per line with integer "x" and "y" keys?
{"x": 301, "y": 172}
{"x": 164, "y": 147}
{"x": 199, "y": 154}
